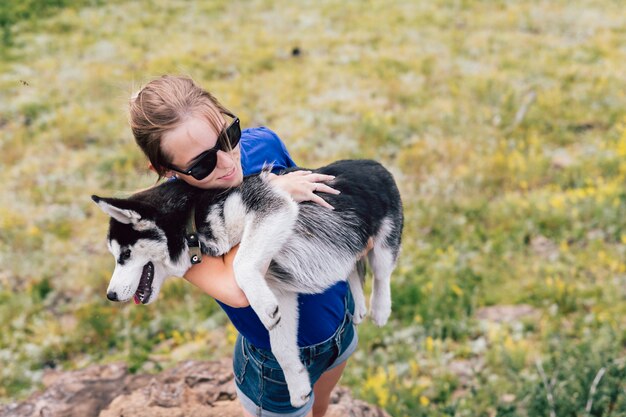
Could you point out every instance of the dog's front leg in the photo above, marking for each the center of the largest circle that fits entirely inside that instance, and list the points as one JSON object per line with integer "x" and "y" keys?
{"x": 252, "y": 282}
{"x": 284, "y": 342}
{"x": 264, "y": 235}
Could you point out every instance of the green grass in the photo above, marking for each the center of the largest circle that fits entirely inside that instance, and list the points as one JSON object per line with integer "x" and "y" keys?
{"x": 503, "y": 122}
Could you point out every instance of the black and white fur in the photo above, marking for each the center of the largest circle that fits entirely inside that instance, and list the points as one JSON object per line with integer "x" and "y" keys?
{"x": 285, "y": 248}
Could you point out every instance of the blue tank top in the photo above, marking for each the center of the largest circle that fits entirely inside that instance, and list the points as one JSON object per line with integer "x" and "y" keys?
{"x": 320, "y": 314}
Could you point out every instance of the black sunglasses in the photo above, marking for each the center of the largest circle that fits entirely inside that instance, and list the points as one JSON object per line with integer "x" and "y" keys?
{"x": 207, "y": 160}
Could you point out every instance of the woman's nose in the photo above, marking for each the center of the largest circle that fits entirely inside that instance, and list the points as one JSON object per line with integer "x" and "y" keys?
{"x": 224, "y": 159}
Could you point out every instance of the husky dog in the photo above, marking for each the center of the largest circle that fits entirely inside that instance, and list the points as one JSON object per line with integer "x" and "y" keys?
{"x": 285, "y": 248}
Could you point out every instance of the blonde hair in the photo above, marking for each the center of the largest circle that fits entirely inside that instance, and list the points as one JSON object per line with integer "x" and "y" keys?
{"x": 164, "y": 104}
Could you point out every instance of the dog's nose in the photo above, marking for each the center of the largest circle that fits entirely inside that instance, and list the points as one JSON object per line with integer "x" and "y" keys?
{"x": 112, "y": 296}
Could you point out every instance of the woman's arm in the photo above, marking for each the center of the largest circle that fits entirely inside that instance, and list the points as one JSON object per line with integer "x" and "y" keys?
{"x": 214, "y": 276}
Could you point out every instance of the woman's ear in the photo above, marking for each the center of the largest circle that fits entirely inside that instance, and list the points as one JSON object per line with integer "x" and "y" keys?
{"x": 168, "y": 173}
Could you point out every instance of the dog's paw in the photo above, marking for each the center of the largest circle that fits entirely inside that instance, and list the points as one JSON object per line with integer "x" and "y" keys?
{"x": 380, "y": 313}
{"x": 265, "y": 305}
{"x": 300, "y": 392}
{"x": 270, "y": 315}
{"x": 360, "y": 311}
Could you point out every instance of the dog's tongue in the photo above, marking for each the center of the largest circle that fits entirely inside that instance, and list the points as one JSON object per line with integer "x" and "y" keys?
{"x": 136, "y": 299}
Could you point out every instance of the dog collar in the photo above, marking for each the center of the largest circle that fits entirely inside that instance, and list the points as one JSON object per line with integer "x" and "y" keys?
{"x": 191, "y": 236}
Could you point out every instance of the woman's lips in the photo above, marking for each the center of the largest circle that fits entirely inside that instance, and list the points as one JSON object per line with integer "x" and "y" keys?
{"x": 229, "y": 175}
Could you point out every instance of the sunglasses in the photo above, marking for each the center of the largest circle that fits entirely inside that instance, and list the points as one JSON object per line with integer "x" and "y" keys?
{"x": 205, "y": 163}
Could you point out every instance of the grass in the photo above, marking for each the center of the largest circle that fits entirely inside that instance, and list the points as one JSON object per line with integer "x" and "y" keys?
{"x": 503, "y": 123}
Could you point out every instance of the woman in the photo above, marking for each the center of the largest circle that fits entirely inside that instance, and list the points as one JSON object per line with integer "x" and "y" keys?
{"x": 186, "y": 133}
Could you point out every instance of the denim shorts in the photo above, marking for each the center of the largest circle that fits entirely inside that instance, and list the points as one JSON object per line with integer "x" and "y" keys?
{"x": 259, "y": 379}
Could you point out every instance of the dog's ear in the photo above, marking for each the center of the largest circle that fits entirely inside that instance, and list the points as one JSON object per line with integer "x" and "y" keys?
{"x": 124, "y": 211}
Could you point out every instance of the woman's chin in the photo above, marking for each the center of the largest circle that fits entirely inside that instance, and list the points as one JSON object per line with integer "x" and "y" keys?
{"x": 229, "y": 181}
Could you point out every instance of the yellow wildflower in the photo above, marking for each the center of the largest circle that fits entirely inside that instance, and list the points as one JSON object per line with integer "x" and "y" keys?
{"x": 429, "y": 344}
{"x": 457, "y": 290}
{"x": 557, "y": 202}
{"x": 509, "y": 344}
{"x": 33, "y": 231}
{"x": 178, "y": 337}
{"x": 376, "y": 383}
{"x": 560, "y": 285}
{"x": 231, "y": 334}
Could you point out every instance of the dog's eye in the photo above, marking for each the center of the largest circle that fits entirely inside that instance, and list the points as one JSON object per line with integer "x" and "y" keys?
{"x": 125, "y": 255}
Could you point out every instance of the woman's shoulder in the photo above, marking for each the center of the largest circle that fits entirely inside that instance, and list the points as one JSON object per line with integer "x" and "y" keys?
{"x": 260, "y": 145}
{"x": 260, "y": 133}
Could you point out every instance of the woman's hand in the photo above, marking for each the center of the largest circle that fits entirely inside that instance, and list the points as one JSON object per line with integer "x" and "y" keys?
{"x": 302, "y": 186}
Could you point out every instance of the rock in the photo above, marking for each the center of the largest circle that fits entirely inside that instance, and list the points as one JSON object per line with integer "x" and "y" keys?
{"x": 466, "y": 369}
{"x": 191, "y": 389}
{"x": 544, "y": 247}
{"x": 562, "y": 159}
{"x": 78, "y": 393}
{"x": 342, "y": 404}
{"x": 507, "y": 313}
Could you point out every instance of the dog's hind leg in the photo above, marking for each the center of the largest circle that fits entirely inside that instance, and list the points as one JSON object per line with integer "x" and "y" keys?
{"x": 284, "y": 342}
{"x": 355, "y": 280}
{"x": 382, "y": 264}
{"x": 382, "y": 261}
